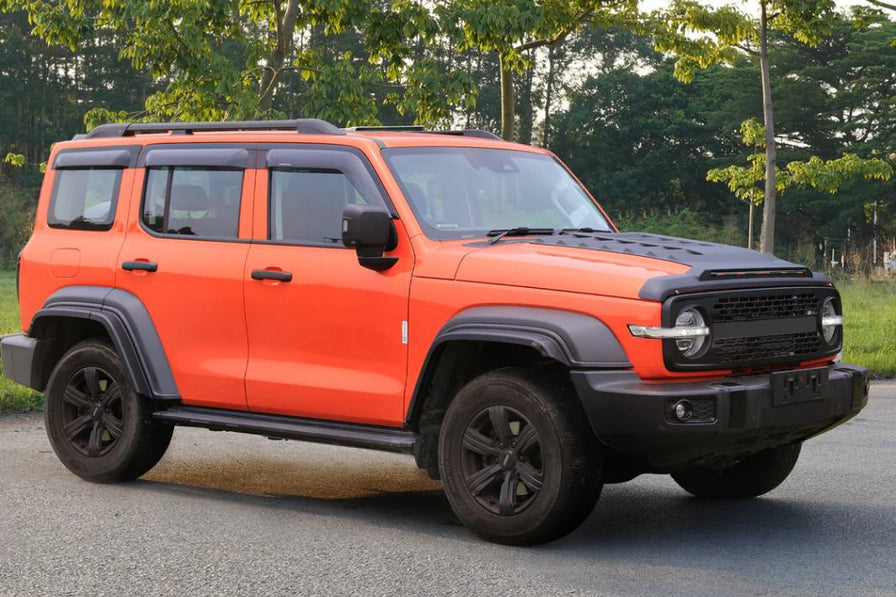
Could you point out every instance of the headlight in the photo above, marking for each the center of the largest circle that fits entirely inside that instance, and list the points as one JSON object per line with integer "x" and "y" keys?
{"x": 830, "y": 321}
{"x": 690, "y": 332}
{"x": 690, "y": 318}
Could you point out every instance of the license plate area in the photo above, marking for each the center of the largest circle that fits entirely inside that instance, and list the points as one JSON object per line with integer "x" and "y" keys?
{"x": 791, "y": 387}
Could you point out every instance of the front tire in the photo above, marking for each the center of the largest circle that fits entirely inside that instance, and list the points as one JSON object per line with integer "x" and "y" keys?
{"x": 750, "y": 477}
{"x": 98, "y": 426}
{"x": 519, "y": 463}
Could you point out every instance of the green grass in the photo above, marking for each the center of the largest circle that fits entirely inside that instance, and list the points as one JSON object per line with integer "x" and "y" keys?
{"x": 869, "y": 309}
{"x": 13, "y": 397}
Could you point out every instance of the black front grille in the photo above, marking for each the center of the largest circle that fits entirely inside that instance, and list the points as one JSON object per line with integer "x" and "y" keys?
{"x": 785, "y": 329}
{"x": 764, "y": 306}
{"x": 732, "y": 351}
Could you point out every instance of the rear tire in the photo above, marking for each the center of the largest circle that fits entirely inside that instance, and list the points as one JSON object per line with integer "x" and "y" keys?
{"x": 748, "y": 478}
{"x": 518, "y": 460}
{"x": 98, "y": 426}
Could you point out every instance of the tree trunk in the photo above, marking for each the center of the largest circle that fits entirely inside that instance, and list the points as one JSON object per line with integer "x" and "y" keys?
{"x": 548, "y": 92}
{"x": 767, "y": 236}
{"x": 286, "y": 25}
{"x": 507, "y": 99}
{"x": 526, "y": 109}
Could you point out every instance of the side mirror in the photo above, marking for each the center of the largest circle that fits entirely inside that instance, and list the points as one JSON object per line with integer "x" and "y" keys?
{"x": 370, "y": 231}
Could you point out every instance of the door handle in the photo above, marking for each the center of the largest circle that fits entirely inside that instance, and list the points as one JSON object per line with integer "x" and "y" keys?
{"x": 142, "y": 266}
{"x": 267, "y": 274}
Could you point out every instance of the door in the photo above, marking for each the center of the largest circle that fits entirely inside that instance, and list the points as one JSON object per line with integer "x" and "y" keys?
{"x": 327, "y": 337}
{"x": 184, "y": 257}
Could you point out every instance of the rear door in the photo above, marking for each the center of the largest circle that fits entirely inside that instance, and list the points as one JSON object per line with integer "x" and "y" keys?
{"x": 184, "y": 257}
{"x": 327, "y": 340}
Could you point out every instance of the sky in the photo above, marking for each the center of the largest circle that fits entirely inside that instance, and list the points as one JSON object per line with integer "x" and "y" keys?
{"x": 748, "y": 4}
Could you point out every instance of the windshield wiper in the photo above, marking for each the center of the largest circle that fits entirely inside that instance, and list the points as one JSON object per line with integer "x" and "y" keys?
{"x": 518, "y": 231}
{"x": 585, "y": 230}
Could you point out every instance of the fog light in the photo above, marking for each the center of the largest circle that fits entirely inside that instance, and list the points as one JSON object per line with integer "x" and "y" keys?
{"x": 683, "y": 410}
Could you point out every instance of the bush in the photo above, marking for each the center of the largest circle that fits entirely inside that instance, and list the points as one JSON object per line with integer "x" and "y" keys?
{"x": 16, "y": 219}
{"x": 684, "y": 223}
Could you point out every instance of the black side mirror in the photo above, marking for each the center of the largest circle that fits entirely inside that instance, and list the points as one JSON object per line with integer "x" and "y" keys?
{"x": 370, "y": 231}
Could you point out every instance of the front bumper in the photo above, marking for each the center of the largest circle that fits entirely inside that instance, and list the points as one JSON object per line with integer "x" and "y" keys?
{"x": 733, "y": 416}
{"x": 17, "y": 352}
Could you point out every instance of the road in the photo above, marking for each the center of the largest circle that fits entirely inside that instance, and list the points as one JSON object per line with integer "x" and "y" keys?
{"x": 231, "y": 514}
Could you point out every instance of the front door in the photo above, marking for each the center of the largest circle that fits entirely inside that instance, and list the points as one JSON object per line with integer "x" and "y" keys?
{"x": 327, "y": 337}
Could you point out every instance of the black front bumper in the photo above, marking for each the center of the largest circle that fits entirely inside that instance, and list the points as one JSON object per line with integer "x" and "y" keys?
{"x": 731, "y": 417}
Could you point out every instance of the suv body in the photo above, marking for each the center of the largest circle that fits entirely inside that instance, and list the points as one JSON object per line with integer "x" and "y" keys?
{"x": 296, "y": 280}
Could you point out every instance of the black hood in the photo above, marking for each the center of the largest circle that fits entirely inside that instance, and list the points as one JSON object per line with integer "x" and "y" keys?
{"x": 713, "y": 265}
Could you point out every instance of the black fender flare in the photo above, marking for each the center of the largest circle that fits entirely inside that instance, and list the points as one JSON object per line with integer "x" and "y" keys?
{"x": 576, "y": 340}
{"x": 129, "y": 326}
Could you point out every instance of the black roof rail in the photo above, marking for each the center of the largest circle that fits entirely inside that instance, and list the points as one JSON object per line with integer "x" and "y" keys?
{"x": 415, "y": 128}
{"x": 393, "y": 128}
{"x": 304, "y": 126}
{"x": 469, "y": 133}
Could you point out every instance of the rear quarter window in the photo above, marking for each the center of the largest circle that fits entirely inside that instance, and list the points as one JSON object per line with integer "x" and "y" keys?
{"x": 84, "y": 198}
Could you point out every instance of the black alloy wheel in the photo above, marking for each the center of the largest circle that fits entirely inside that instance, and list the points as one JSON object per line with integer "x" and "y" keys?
{"x": 92, "y": 416}
{"x": 502, "y": 460}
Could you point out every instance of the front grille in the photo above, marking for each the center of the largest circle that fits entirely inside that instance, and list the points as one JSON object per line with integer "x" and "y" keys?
{"x": 764, "y": 306}
{"x": 753, "y": 328}
{"x": 732, "y": 351}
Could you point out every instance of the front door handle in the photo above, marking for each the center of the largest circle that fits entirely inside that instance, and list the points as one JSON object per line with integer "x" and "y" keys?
{"x": 268, "y": 274}
{"x": 142, "y": 266}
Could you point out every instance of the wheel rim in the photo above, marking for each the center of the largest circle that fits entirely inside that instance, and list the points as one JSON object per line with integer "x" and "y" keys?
{"x": 92, "y": 411}
{"x": 501, "y": 460}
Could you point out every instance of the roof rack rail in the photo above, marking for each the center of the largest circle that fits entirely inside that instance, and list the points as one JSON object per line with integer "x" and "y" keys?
{"x": 415, "y": 128}
{"x": 394, "y": 128}
{"x": 303, "y": 126}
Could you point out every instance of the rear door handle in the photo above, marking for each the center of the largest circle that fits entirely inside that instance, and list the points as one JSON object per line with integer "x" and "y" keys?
{"x": 142, "y": 266}
{"x": 267, "y": 274}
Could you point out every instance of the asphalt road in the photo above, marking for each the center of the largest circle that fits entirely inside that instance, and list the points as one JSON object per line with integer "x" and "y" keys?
{"x": 231, "y": 514}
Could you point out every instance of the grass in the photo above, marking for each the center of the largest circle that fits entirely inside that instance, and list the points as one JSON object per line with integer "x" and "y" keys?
{"x": 13, "y": 397}
{"x": 870, "y": 331}
{"x": 869, "y": 310}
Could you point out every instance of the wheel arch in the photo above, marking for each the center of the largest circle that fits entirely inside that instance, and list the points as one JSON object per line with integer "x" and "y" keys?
{"x": 76, "y": 313}
{"x": 480, "y": 339}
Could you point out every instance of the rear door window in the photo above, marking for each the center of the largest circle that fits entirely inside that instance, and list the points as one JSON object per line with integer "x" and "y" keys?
{"x": 193, "y": 201}
{"x": 84, "y": 198}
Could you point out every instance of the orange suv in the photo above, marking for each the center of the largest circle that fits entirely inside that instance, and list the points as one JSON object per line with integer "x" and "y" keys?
{"x": 449, "y": 295}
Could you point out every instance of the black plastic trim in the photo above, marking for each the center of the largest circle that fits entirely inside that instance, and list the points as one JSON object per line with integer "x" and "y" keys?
{"x": 129, "y": 326}
{"x": 303, "y": 126}
{"x": 279, "y": 426}
{"x": 17, "y": 358}
{"x": 745, "y": 329}
{"x": 573, "y": 339}
{"x": 199, "y": 155}
{"x": 95, "y": 157}
{"x": 631, "y": 416}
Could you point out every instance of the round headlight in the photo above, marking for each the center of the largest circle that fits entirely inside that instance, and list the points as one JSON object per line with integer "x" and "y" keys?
{"x": 690, "y": 346}
{"x": 829, "y": 313}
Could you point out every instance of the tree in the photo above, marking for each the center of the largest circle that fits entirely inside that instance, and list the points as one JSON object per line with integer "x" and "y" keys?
{"x": 732, "y": 31}
{"x": 824, "y": 175}
{"x": 225, "y": 59}
{"x": 513, "y": 28}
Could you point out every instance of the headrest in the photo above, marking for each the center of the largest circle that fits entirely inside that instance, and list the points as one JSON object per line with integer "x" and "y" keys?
{"x": 188, "y": 197}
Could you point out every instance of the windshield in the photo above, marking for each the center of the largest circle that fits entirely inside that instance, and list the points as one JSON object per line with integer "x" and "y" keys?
{"x": 465, "y": 192}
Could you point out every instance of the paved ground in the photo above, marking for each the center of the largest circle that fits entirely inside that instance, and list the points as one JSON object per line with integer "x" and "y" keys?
{"x": 225, "y": 513}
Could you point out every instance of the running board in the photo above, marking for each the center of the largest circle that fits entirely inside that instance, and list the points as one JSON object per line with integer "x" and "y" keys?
{"x": 282, "y": 427}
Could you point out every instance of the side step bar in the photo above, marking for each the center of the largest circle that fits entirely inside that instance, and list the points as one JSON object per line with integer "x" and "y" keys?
{"x": 282, "y": 427}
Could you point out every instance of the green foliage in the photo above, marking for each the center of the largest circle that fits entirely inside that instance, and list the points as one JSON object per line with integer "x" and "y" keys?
{"x": 824, "y": 175}
{"x": 701, "y": 36}
{"x": 14, "y": 159}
